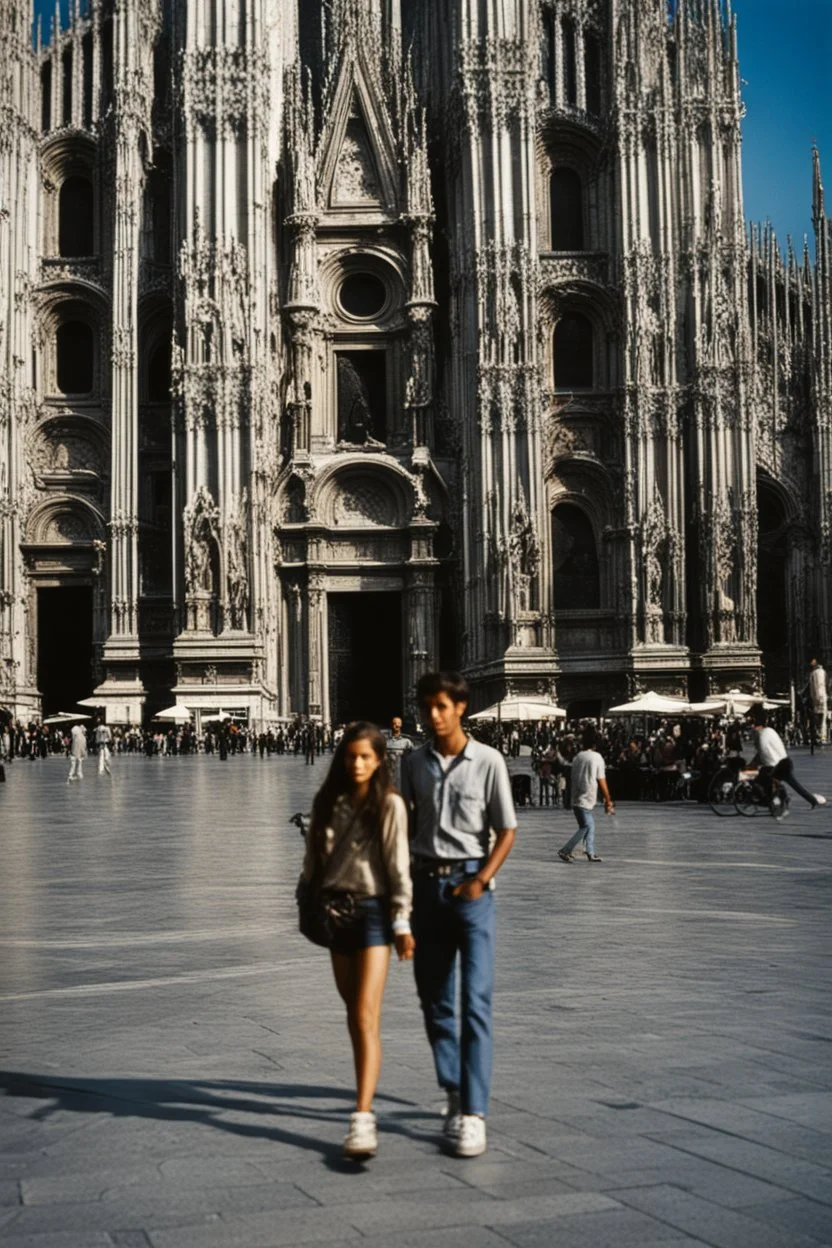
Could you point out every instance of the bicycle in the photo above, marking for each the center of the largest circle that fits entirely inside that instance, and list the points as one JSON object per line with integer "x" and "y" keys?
{"x": 750, "y": 797}
{"x": 721, "y": 792}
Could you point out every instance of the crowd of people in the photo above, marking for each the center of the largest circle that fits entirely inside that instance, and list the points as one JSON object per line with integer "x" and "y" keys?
{"x": 675, "y": 759}
{"x": 36, "y": 740}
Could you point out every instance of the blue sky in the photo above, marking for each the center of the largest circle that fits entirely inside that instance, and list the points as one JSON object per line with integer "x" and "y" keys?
{"x": 785, "y": 51}
{"x": 785, "y": 57}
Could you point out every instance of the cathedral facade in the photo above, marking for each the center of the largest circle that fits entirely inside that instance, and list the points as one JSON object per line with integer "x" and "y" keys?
{"x": 343, "y": 339}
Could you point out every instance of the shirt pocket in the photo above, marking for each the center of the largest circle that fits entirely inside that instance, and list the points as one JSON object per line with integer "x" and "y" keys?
{"x": 467, "y": 810}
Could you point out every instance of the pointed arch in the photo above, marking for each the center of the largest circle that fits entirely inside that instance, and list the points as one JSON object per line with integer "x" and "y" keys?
{"x": 357, "y": 168}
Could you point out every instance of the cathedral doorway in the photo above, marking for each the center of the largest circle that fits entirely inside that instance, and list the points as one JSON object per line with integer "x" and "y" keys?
{"x": 65, "y": 640}
{"x": 365, "y": 656}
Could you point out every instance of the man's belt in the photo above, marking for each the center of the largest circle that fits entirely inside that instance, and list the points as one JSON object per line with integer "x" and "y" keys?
{"x": 437, "y": 868}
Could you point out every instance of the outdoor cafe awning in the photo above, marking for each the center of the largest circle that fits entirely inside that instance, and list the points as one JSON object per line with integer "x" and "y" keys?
{"x": 524, "y": 710}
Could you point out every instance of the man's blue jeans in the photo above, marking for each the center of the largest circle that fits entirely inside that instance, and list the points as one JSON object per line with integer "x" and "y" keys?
{"x": 445, "y": 927}
{"x": 585, "y": 832}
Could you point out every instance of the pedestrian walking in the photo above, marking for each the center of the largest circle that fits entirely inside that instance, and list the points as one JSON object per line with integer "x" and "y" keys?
{"x": 103, "y": 739}
{"x": 773, "y": 759}
{"x": 77, "y": 753}
{"x": 358, "y": 841}
{"x": 397, "y": 746}
{"x": 818, "y": 698}
{"x": 459, "y": 791}
{"x": 588, "y": 776}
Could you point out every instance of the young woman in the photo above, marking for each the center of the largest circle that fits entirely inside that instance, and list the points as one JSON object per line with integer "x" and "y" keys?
{"x": 357, "y": 801}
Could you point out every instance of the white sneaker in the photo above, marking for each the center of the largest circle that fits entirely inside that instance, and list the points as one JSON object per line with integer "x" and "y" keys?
{"x": 362, "y": 1138}
{"x": 452, "y": 1113}
{"x": 471, "y": 1141}
{"x": 820, "y": 800}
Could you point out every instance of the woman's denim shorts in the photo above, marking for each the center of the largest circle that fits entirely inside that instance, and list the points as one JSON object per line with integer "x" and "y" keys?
{"x": 374, "y": 927}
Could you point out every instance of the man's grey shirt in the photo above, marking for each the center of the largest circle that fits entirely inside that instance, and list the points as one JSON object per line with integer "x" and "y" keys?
{"x": 455, "y": 809}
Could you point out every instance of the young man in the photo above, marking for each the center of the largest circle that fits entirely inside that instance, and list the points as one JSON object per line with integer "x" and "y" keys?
{"x": 103, "y": 737}
{"x": 588, "y": 776}
{"x": 458, "y": 791}
{"x": 772, "y": 759}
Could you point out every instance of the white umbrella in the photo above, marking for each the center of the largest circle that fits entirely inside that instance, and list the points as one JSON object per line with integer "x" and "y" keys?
{"x": 527, "y": 710}
{"x": 176, "y": 714}
{"x": 738, "y": 702}
{"x": 717, "y": 707}
{"x": 89, "y": 702}
{"x": 220, "y": 717}
{"x": 650, "y": 704}
{"x": 65, "y": 717}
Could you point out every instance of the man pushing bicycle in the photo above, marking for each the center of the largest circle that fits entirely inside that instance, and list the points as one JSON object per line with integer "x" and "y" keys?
{"x": 773, "y": 760}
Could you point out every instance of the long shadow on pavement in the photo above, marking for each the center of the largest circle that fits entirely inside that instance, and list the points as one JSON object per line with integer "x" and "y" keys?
{"x": 196, "y": 1101}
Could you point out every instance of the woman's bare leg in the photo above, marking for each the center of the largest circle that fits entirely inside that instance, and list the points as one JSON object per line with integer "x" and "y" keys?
{"x": 360, "y": 979}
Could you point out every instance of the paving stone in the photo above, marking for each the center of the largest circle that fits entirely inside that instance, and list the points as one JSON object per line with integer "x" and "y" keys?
{"x": 469, "y": 1237}
{"x": 9, "y": 1193}
{"x": 60, "y": 1239}
{"x": 793, "y": 1174}
{"x": 620, "y": 1228}
{"x": 161, "y": 1204}
{"x": 177, "y": 1069}
{"x": 258, "y": 1231}
{"x": 723, "y": 1228}
{"x": 805, "y": 1217}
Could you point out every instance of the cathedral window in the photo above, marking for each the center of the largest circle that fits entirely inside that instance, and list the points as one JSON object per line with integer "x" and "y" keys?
{"x": 362, "y": 295}
{"x": 362, "y": 396}
{"x": 573, "y": 353}
{"x": 66, "y": 103}
{"x": 46, "y": 97}
{"x": 106, "y": 65}
{"x": 75, "y": 217}
{"x": 570, "y": 74}
{"x": 158, "y": 373}
{"x": 592, "y": 74}
{"x": 566, "y": 206}
{"x": 87, "y": 54}
{"x": 159, "y": 191}
{"x": 548, "y": 54}
{"x": 74, "y": 350}
{"x": 577, "y": 583}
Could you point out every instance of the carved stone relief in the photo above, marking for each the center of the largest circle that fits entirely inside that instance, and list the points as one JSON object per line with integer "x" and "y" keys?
{"x": 356, "y": 179}
{"x": 364, "y": 501}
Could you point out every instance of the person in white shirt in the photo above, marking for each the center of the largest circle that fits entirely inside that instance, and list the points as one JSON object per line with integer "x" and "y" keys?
{"x": 773, "y": 760}
{"x": 77, "y": 753}
{"x": 103, "y": 737}
{"x": 817, "y": 697}
{"x": 588, "y": 776}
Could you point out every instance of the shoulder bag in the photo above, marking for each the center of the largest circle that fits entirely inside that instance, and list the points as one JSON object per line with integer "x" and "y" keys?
{"x": 327, "y": 913}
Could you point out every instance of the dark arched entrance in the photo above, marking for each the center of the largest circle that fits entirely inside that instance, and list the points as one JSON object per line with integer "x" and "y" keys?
{"x": 574, "y": 559}
{"x": 65, "y": 646}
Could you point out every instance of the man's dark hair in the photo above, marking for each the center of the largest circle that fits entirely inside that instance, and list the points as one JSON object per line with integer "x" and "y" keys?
{"x": 451, "y": 683}
{"x": 757, "y": 715}
{"x": 589, "y": 737}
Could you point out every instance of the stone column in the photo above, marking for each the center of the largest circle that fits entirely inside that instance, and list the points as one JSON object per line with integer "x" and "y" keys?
{"x": 316, "y": 643}
{"x": 421, "y": 649}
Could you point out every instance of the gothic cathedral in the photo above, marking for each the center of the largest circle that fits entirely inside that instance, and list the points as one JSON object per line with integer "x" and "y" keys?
{"x": 344, "y": 338}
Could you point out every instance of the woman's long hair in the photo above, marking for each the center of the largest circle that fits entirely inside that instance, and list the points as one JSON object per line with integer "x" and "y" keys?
{"x": 338, "y": 783}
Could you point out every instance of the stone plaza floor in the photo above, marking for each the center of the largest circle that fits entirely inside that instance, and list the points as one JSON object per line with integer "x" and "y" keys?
{"x": 176, "y": 1070}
